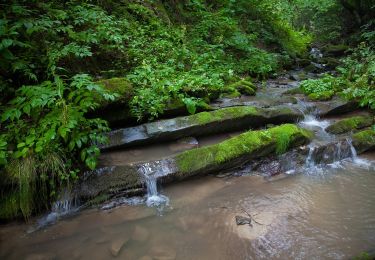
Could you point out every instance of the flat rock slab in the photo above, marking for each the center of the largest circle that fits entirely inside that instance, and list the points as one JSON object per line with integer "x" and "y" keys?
{"x": 336, "y": 106}
{"x": 204, "y": 123}
{"x": 350, "y": 124}
{"x": 231, "y": 153}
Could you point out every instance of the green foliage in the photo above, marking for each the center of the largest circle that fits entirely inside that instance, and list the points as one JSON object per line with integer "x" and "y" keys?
{"x": 323, "y": 86}
{"x": 51, "y": 115}
{"x": 42, "y": 120}
{"x": 160, "y": 52}
{"x": 359, "y": 70}
{"x": 321, "y": 96}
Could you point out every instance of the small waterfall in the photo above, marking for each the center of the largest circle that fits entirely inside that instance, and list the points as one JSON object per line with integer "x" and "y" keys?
{"x": 352, "y": 150}
{"x": 66, "y": 204}
{"x": 316, "y": 53}
{"x": 151, "y": 171}
{"x": 309, "y": 163}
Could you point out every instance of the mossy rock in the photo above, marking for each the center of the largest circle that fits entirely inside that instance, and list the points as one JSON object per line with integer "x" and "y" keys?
{"x": 364, "y": 141}
{"x": 330, "y": 62}
{"x": 204, "y": 123}
{"x": 335, "y": 50}
{"x": 298, "y": 76}
{"x": 120, "y": 86}
{"x": 241, "y": 149}
{"x": 109, "y": 180}
{"x": 233, "y": 94}
{"x": 303, "y": 62}
{"x": 322, "y": 96}
{"x": 294, "y": 91}
{"x": 350, "y": 124}
{"x": 244, "y": 87}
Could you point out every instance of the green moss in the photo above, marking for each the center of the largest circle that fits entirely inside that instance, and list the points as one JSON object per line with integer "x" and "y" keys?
{"x": 234, "y": 94}
{"x": 294, "y": 91}
{"x": 121, "y": 86}
{"x": 349, "y": 124}
{"x": 364, "y": 140}
{"x": 245, "y": 87}
{"x": 223, "y": 114}
{"x": 338, "y": 49}
{"x": 252, "y": 144}
{"x": 321, "y": 96}
{"x": 330, "y": 62}
{"x": 365, "y": 256}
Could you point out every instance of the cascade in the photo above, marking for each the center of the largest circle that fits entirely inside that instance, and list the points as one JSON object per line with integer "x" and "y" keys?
{"x": 151, "y": 171}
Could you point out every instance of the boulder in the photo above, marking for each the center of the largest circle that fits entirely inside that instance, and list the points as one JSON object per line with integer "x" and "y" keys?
{"x": 335, "y": 50}
{"x": 244, "y": 87}
{"x": 364, "y": 141}
{"x": 109, "y": 180}
{"x": 204, "y": 123}
{"x": 336, "y": 106}
{"x": 120, "y": 86}
{"x": 350, "y": 124}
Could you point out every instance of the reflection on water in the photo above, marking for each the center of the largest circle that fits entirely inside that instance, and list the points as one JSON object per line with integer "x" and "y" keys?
{"x": 305, "y": 216}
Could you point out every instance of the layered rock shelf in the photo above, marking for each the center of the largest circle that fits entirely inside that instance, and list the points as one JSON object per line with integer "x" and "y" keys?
{"x": 204, "y": 123}
{"x": 228, "y": 154}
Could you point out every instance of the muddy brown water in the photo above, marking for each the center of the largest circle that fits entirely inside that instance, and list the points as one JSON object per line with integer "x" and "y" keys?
{"x": 314, "y": 215}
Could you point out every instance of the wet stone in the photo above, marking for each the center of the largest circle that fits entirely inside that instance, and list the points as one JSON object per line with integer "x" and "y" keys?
{"x": 117, "y": 245}
{"x": 163, "y": 253}
{"x": 240, "y": 220}
{"x": 184, "y": 144}
{"x": 145, "y": 257}
{"x": 41, "y": 256}
{"x": 271, "y": 168}
{"x": 140, "y": 234}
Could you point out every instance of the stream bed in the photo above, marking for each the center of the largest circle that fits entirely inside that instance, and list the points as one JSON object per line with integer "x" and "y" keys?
{"x": 319, "y": 214}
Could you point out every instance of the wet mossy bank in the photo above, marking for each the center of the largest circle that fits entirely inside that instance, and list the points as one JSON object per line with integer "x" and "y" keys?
{"x": 204, "y": 123}
{"x": 231, "y": 153}
{"x": 350, "y": 124}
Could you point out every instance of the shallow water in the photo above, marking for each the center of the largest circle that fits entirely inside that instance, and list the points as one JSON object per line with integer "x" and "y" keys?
{"x": 328, "y": 214}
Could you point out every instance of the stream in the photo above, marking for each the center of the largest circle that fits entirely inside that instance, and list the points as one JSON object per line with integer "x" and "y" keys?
{"x": 312, "y": 211}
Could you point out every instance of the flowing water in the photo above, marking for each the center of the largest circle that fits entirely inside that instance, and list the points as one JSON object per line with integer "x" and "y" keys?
{"x": 326, "y": 211}
{"x": 305, "y": 216}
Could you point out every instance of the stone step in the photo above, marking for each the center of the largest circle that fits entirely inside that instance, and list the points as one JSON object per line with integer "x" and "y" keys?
{"x": 204, "y": 123}
{"x": 231, "y": 153}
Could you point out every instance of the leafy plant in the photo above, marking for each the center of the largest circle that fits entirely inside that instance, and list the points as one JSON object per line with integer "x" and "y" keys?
{"x": 44, "y": 119}
{"x": 324, "y": 84}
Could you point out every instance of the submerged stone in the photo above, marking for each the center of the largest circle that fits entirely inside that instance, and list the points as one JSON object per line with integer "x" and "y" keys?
{"x": 243, "y": 221}
{"x": 204, "y": 123}
{"x": 117, "y": 245}
{"x": 350, "y": 124}
{"x": 140, "y": 234}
